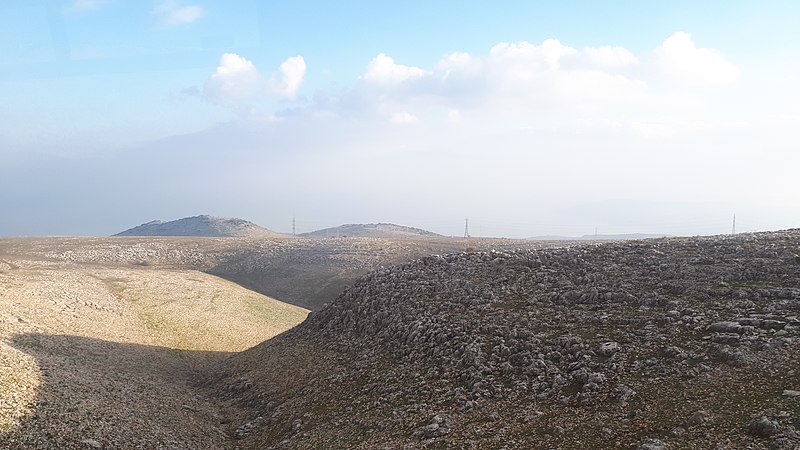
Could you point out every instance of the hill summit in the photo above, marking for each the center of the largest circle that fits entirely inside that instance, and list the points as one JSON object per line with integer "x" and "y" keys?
{"x": 376, "y": 230}
{"x": 204, "y": 225}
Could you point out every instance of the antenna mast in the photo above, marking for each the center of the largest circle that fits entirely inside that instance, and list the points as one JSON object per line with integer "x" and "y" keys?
{"x": 466, "y": 227}
{"x": 294, "y": 228}
{"x": 733, "y": 231}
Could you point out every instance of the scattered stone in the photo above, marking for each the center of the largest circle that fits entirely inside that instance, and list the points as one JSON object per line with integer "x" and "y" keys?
{"x": 725, "y": 327}
{"x": 725, "y": 338}
{"x": 698, "y": 418}
{"x": 92, "y": 443}
{"x": 791, "y": 393}
{"x": 608, "y": 348}
{"x": 247, "y": 428}
{"x": 678, "y": 431}
{"x": 437, "y": 427}
{"x": 762, "y": 427}
{"x": 652, "y": 444}
{"x": 624, "y": 393}
{"x": 769, "y": 324}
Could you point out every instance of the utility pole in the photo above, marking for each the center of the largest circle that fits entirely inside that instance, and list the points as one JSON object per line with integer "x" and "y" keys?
{"x": 294, "y": 228}
{"x": 595, "y": 233}
{"x": 733, "y": 231}
{"x": 466, "y": 227}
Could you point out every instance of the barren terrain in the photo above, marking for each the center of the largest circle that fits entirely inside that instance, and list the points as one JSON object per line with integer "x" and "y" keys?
{"x": 649, "y": 345}
{"x": 110, "y": 355}
{"x": 103, "y": 341}
{"x": 439, "y": 343}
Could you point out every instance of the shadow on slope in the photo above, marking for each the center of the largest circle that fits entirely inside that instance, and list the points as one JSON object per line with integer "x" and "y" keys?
{"x": 115, "y": 395}
{"x": 312, "y": 272}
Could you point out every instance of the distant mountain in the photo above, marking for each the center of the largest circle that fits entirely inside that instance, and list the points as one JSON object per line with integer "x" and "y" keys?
{"x": 378, "y": 230}
{"x": 205, "y": 225}
{"x": 599, "y": 237}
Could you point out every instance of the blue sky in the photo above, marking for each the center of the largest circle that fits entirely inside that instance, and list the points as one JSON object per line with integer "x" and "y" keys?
{"x": 629, "y": 116}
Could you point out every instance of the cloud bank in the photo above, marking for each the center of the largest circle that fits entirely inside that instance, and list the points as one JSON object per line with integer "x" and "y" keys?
{"x": 525, "y": 138}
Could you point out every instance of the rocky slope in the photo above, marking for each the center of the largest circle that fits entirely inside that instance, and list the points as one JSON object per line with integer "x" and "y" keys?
{"x": 673, "y": 343}
{"x": 204, "y": 225}
{"x": 375, "y": 230}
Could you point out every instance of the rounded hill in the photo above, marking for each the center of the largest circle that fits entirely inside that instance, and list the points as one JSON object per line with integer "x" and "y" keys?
{"x": 376, "y": 230}
{"x": 204, "y": 225}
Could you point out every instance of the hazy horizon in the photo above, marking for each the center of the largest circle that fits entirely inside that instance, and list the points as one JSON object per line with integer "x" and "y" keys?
{"x": 530, "y": 119}
{"x": 475, "y": 230}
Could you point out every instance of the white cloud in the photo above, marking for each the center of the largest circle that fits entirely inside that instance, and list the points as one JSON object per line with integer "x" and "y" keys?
{"x": 173, "y": 13}
{"x": 403, "y": 118}
{"x": 457, "y": 64}
{"x": 610, "y": 57}
{"x": 679, "y": 59}
{"x": 383, "y": 70}
{"x": 525, "y": 82}
{"x": 292, "y": 72}
{"x": 235, "y": 80}
{"x": 526, "y": 57}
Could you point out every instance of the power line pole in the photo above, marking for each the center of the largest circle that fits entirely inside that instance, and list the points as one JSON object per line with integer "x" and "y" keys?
{"x": 294, "y": 229}
{"x": 466, "y": 227}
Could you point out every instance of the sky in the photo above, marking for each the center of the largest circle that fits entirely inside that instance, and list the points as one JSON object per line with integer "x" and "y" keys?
{"x": 528, "y": 117}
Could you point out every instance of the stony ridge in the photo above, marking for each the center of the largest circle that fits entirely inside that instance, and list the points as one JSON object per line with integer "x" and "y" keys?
{"x": 673, "y": 343}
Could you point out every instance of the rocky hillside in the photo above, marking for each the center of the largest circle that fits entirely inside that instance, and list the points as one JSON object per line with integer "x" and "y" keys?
{"x": 375, "y": 230}
{"x": 209, "y": 226}
{"x": 672, "y": 343}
